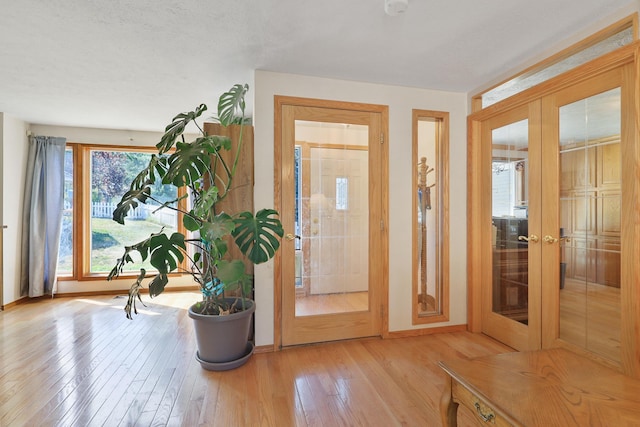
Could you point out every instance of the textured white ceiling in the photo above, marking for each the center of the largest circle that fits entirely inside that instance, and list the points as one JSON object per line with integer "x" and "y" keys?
{"x": 133, "y": 64}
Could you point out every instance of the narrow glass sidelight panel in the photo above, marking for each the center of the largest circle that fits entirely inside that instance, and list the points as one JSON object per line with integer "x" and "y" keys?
{"x": 430, "y": 223}
{"x": 590, "y": 215}
{"x": 509, "y": 221}
{"x": 332, "y": 258}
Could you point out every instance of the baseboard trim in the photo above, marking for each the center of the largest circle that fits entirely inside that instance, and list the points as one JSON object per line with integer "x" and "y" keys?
{"x": 23, "y": 300}
{"x": 124, "y": 292}
{"x": 263, "y": 349}
{"x": 426, "y": 331}
{"x": 27, "y": 300}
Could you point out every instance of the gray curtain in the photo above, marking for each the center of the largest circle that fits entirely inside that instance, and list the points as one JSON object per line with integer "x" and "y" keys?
{"x": 43, "y": 205}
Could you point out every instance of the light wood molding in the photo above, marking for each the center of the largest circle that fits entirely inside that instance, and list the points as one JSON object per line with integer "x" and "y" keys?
{"x": 427, "y": 331}
{"x": 608, "y": 62}
{"x": 288, "y": 109}
{"x": 443, "y": 213}
{"x": 610, "y": 189}
{"x": 630, "y": 227}
{"x": 241, "y": 198}
{"x": 630, "y": 21}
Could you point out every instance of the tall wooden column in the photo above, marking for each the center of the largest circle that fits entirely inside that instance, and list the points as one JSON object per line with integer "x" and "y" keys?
{"x": 240, "y": 197}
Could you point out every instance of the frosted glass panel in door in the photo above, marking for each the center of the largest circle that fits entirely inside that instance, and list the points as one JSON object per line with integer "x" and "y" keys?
{"x": 590, "y": 208}
{"x": 509, "y": 201}
{"x": 333, "y": 252}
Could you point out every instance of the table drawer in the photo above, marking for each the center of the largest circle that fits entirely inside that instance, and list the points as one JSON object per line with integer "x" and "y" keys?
{"x": 484, "y": 413}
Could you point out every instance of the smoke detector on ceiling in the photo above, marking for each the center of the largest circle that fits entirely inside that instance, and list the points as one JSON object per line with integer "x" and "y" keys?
{"x": 395, "y": 7}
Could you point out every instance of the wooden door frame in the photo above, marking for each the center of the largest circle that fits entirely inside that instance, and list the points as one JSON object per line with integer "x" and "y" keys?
{"x": 518, "y": 335}
{"x": 281, "y": 101}
{"x": 630, "y": 295}
{"x": 475, "y": 202}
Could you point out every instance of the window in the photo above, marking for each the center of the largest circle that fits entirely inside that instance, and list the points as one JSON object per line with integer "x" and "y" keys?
{"x": 103, "y": 175}
{"x": 607, "y": 40}
{"x": 298, "y": 190}
{"x": 342, "y": 193}
{"x": 65, "y": 252}
{"x": 430, "y": 155}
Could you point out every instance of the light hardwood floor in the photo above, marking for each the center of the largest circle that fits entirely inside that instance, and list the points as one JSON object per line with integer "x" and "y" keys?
{"x": 590, "y": 317}
{"x": 331, "y": 303}
{"x": 80, "y": 362}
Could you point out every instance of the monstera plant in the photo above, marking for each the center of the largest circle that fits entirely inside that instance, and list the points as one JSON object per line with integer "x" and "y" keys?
{"x": 204, "y": 178}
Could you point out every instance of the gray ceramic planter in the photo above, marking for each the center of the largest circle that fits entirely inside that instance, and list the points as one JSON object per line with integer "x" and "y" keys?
{"x": 223, "y": 341}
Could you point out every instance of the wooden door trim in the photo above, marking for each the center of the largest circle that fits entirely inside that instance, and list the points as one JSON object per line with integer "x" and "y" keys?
{"x": 630, "y": 21}
{"x": 480, "y": 252}
{"x": 617, "y": 58}
{"x": 279, "y": 103}
{"x": 550, "y": 103}
{"x": 442, "y": 234}
{"x": 625, "y": 55}
{"x": 623, "y": 68}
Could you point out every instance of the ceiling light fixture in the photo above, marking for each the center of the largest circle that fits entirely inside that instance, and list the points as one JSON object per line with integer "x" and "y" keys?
{"x": 395, "y": 7}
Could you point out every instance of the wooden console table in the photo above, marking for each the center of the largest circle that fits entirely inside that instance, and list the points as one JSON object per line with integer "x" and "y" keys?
{"x": 540, "y": 388}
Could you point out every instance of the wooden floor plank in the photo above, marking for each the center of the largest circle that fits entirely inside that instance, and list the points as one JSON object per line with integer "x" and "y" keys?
{"x": 59, "y": 376}
{"x": 79, "y": 362}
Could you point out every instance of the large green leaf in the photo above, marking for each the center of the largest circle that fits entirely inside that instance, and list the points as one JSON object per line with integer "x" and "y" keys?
{"x": 157, "y": 165}
{"x": 140, "y": 188}
{"x": 156, "y": 286}
{"x": 189, "y": 163}
{"x": 230, "y": 272}
{"x": 220, "y": 246}
{"x": 176, "y": 128}
{"x": 190, "y": 222}
{"x": 205, "y": 202}
{"x": 216, "y": 142}
{"x": 231, "y": 104}
{"x": 220, "y": 226}
{"x": 130, "y": 201}
{"x": 134, "y": 293}
{"x": 166, "y": 252}
{"x": 141, "y": 247}
{"x": 256, "y": 236}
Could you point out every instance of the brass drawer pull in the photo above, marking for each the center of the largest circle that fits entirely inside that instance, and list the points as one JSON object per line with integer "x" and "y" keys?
{"x": 486, "y": 418}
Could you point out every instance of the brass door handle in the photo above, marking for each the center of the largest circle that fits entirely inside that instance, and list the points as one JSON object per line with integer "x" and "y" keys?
{"x": 290, "y": 236}
{"x": 549, "y": 239}
{"x": 533, "y": 238}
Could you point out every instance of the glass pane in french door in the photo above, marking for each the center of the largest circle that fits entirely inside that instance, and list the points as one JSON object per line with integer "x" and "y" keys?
{"x": 332, "y": 218}
{"x": 509, "y": 217}
{"x": 590, "y": 205}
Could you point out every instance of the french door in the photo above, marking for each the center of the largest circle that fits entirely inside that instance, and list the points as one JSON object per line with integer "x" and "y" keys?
{"x": 332, "y": 180}
{"x": 585, "y": 134}
{"x": 552, "y": 267}
{"x": 511, "y": 293}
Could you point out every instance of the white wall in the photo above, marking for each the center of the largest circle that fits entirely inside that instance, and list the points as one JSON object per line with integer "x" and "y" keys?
{"x": 401, "y": 100}
{"x": 15, "y": 147}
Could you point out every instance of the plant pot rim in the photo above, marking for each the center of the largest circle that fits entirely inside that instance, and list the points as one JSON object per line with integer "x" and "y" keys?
{"x": 226, "y": 318}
